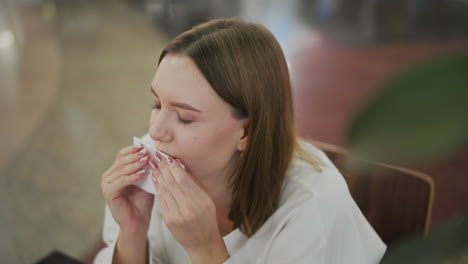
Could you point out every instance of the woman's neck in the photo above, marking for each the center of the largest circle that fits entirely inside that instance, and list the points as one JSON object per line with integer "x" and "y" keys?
{"x": 218, "y": 190}
{"x": 222, "y": 199}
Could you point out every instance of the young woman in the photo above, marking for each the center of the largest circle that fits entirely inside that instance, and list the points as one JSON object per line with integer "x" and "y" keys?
{"x": 238, "y": 186}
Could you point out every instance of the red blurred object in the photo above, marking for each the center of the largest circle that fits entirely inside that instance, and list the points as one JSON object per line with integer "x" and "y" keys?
{"x": 331, "y": 82}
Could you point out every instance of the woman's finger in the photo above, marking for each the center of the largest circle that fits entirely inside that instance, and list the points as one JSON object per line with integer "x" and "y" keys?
{"x": 125, "y": 156}
{"x": 128, "y": 169}
{"x": 116, "y": 187}
{"x": 131, "y": 158}
{"x": 129, "y": 150}
{"x": 187, "y": 182}
{"x": 164, "y": 186}
{"x": 172, "y": 186}
{"x": 161, "y": 193}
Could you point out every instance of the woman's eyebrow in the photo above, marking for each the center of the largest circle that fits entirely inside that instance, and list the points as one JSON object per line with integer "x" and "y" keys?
{"x": 177, "y": 104}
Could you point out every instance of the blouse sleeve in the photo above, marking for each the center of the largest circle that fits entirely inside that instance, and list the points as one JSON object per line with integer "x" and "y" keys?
{"x": 110, "y": 235}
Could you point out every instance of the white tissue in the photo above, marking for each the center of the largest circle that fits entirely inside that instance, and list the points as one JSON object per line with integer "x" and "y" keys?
{"x": 146, "y": 183}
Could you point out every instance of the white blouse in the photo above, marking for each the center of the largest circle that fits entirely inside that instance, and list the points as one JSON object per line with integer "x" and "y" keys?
{"x": 317, "y": 222}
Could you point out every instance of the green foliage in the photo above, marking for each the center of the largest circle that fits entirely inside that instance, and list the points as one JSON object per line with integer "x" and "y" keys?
{"x": 419, "y": 116}
{"x": 447, "y": 244}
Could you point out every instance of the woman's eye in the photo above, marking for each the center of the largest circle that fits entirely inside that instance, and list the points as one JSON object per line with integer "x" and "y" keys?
{"x": 184, "y": 122}
{"x": 180, "y": 120}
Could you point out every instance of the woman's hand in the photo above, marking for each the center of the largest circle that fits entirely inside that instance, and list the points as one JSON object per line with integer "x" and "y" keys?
{"x": 188, "y": 212}
{"x": 130, "y": 206}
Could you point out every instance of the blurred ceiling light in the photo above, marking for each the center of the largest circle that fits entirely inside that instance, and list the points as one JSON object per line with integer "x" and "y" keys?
{"x": 6, "y": 39}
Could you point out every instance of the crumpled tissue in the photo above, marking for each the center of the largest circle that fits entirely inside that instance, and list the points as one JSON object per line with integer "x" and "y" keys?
{"x": 146, "y": 183}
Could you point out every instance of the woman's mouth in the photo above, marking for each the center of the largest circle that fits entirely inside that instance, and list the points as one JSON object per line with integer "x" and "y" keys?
{"x": 164, "y": 154}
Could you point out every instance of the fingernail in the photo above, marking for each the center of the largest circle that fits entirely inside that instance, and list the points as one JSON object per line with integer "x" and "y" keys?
{"x": 154, "y": 179}
{"x": 140, "y": 172}
{"x": 180, "y": 163}
{"x": 158, "y": 160}
{"x": 137, "y": 145}
{"x": 152, "y": 165}
{"x": 144, "y": 158}
{"x": 143, "y": 151}
{"x": 169, "y": 160}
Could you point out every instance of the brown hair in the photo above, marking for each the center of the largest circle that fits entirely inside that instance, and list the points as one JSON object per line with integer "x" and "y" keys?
{"x": 246, "y": 67}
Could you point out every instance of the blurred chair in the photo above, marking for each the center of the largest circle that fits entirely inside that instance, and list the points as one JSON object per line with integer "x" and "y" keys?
{"x": 396, "y": 201}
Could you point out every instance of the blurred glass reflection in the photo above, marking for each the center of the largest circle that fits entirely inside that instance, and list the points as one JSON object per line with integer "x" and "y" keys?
{"x": 378, "y": 21}
{"x": 360, "y": 21}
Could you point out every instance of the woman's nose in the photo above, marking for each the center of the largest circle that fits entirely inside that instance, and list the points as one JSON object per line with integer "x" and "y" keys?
{"x": 158, "y": 131}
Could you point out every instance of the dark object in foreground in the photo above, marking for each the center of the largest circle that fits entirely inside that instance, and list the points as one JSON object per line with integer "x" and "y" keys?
{"x": 445, "y": 244}
{"x": 57, "y": 257}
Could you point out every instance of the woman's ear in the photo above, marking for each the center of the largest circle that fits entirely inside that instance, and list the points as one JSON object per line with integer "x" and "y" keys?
{"x": 244, "y": 135}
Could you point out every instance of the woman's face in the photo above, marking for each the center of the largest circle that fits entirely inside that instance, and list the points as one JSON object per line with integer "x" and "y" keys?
{"x": 191, "y": 122}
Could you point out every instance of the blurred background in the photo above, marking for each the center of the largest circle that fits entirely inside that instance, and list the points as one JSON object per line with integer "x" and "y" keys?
{"x": 74, "y": 78}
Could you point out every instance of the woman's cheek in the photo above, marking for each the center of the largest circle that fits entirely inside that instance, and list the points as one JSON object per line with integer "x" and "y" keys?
{"x": 194, "y": 148}
{"x": 194, "y": 151}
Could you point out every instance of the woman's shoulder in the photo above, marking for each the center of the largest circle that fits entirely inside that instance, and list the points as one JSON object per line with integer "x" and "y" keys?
{"x": 319, "y": 179}
{"x": 321, "y": 194}
{"x": 322, "y": 185}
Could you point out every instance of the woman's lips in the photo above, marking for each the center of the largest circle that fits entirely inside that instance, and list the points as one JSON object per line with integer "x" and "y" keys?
{"x": 164, "y": 154}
